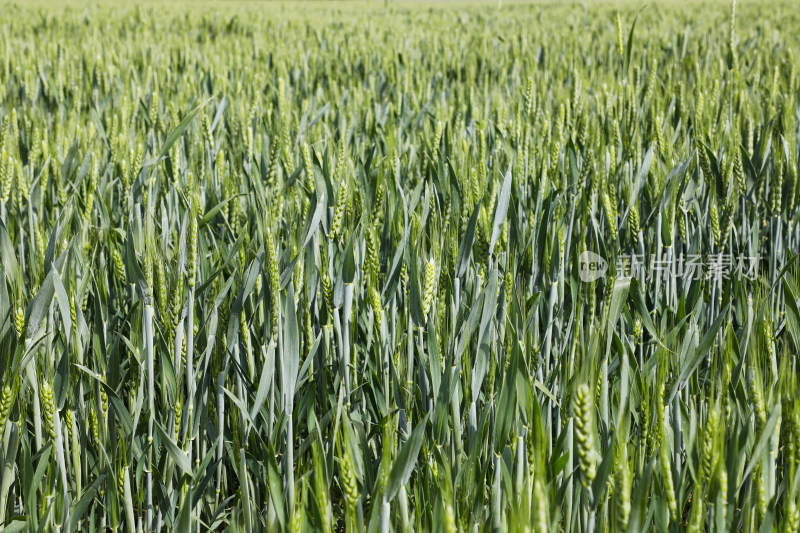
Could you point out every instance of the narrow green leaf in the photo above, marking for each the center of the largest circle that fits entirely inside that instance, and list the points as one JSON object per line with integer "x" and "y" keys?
{"x": 502, "y": 209}
{"x": 290, "y": 355}
{"x": 689, "y": 365}
{"x": 177, "y": 455}
{"x": 404, "y": 464}
{"x": 82, "y": 505}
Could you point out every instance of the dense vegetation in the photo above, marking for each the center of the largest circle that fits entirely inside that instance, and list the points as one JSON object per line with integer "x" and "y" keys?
{"x": 319, "y": 267}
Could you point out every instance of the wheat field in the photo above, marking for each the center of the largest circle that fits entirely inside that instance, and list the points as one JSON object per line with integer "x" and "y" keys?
{"x": 399, "y": 266}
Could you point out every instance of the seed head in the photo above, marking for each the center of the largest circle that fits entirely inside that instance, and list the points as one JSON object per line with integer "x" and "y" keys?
{"x": 429, "y": 287}
{"x": 19, "y": 322}
{"x": 349, "y": 482}
{"x": 48, "y": 407}
{"x": 584, "y": 432}
{"x": 6, "y": 403}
